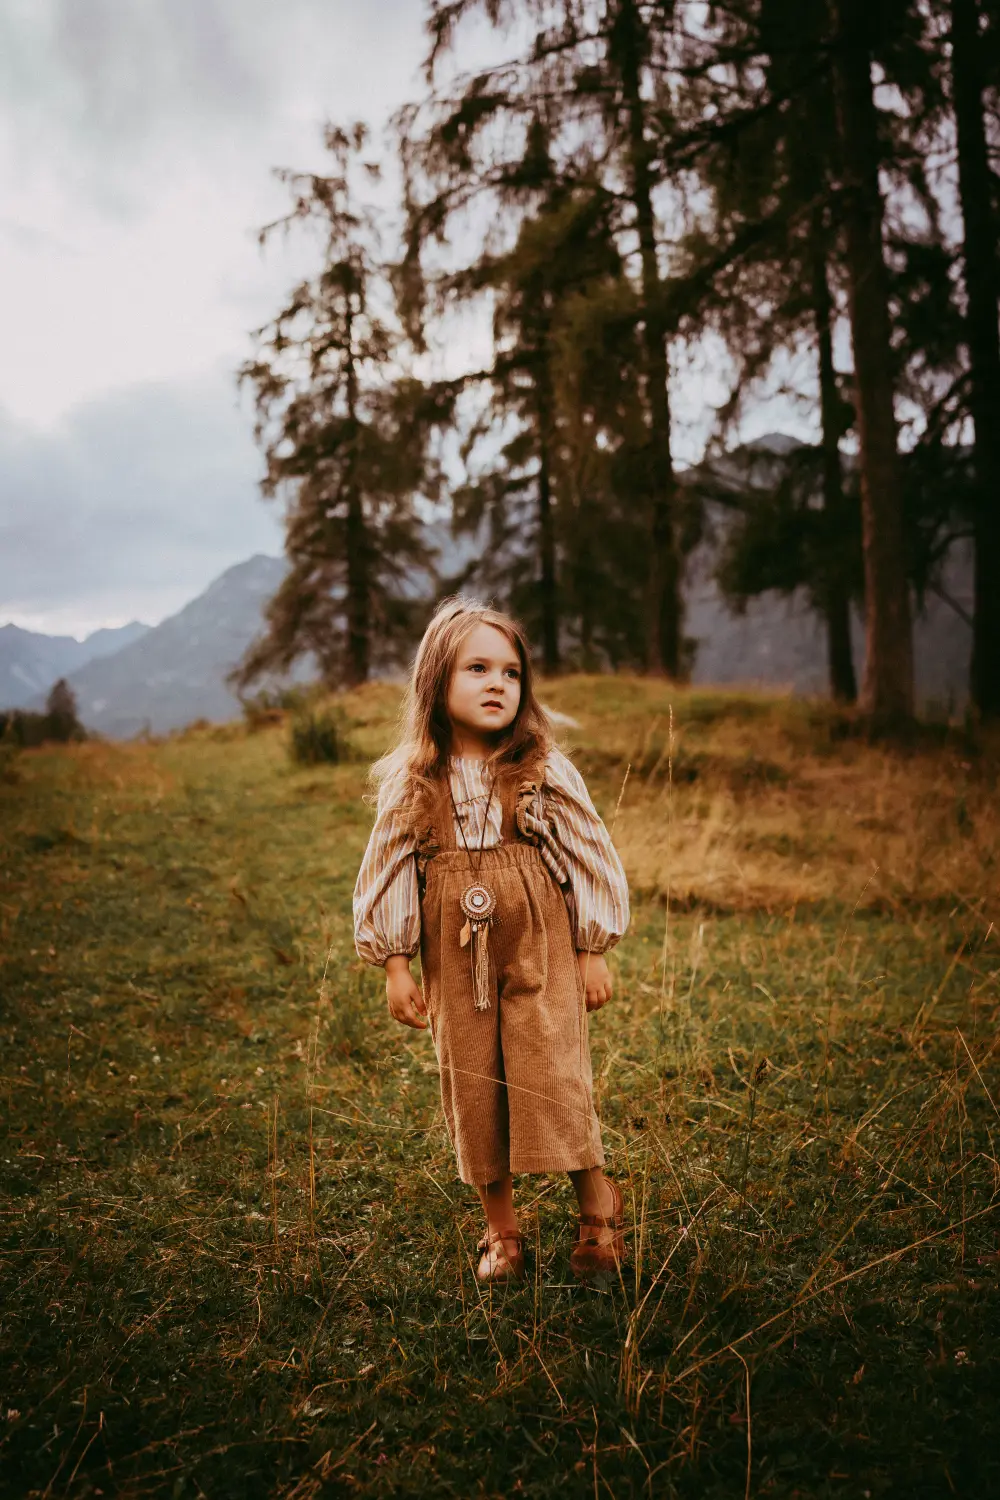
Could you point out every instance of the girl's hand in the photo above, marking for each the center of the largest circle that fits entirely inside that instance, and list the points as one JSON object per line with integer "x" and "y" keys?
{"x": 406, "y": 1001}
{"x": 596, "y": 979}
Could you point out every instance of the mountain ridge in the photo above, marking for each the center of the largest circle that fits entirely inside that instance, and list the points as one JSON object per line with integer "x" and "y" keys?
{"x": 176, "y": 672}
{"x": 30, "y": 661}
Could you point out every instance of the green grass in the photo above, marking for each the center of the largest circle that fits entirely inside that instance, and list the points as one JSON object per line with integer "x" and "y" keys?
{"x": 236, "y": 1258}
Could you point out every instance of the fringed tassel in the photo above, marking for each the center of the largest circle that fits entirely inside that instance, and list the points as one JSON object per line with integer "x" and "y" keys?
{"x": 481, "y": 975}
{"x": 478, "y": 904}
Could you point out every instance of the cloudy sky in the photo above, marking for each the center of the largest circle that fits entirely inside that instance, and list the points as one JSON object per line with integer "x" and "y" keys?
{"x": 137, "y": 142}
{"x": 137, "y": 139}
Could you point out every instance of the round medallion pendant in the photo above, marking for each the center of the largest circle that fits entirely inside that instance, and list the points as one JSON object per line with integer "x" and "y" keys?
{"x": 478, "y": 902}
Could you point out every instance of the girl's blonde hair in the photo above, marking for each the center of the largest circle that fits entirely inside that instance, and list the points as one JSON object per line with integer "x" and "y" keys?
{"x": 420, "y": 755}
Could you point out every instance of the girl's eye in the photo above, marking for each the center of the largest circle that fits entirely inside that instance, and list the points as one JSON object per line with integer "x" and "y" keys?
{"x": 512, "y": 672}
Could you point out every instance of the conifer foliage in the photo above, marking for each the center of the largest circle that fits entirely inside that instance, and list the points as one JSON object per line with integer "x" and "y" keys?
{"x": 600, "y": 77}
{"x": 346, "y": 434}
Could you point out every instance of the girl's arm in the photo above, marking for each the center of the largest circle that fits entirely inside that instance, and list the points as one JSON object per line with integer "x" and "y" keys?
{"x": 386, "y": 899}
{"x": 600, "y": 908}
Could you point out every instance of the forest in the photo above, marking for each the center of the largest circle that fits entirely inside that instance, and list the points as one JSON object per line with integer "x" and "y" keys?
{"x": 513, "y": 283}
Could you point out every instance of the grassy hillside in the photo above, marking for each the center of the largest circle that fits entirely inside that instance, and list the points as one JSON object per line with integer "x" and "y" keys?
{"x": 236, "y": 1258}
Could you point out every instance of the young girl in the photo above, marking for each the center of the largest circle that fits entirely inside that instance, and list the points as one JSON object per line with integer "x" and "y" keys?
{"x": 488, "y": 857}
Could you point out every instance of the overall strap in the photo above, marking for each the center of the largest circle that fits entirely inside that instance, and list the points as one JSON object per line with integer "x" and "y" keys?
{"x": 442, "y": 835}
{"x": 506, "y": 793}
{"x": 520, "y": 789}
{"x": 434, "y": 830}
{"x": 445, "y": 831}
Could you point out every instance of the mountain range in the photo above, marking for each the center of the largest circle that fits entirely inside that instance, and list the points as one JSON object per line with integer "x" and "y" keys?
{"x": 31, "y": 662}
{"x": 175, "y": 672}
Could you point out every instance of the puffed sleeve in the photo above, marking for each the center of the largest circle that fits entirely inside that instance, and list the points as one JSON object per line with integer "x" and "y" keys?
{"x": 386, "y": 898}
{"x": 599, "y": 908}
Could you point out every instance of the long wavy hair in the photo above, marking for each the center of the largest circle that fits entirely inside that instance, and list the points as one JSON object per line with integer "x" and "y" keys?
{"x": 419, "y": 758}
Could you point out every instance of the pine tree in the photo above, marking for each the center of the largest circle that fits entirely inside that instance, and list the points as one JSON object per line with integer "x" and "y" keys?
{"x": 600, "y": 76}
{"x": 972, "y": 49}
{"x": 346, "y": 441}
{"x": 61, "y": 718}
{"x": 779, "y": 258}
{"x": 564, "y": 252}
{"x": 602, "y": 429}
{"x": 780, "y": 539}
{"x": 760, "y": 273}
{"x": 887, "y": 690}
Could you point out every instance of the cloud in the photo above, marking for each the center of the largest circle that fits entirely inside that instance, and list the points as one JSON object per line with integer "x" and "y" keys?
{"x": 97, "y": 89}
{"x": 137, "y": 142}
{"x": 137, "y": 139}
{"x": 129, "y": 507}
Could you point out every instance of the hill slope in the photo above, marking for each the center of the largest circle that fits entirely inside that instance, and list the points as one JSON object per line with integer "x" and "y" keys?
{"x": 176, "y": 672}
{"x": 31, "y": 662}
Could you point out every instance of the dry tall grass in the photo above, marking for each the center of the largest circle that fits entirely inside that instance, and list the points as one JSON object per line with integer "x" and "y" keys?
{"x": 751, "y": 802}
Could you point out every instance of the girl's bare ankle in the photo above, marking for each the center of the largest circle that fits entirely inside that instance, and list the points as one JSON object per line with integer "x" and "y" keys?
{"x": 504, "y": 1227}
{"x": 594, "y": 1193}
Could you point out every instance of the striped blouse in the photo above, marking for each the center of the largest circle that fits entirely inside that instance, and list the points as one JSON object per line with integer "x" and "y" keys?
{"x": 571, "y": 838}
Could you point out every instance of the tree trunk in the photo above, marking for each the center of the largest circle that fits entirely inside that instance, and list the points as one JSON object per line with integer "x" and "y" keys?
{"x": 887, "y": 691}
{"x": 547, "y": 551}
{"x": 663, "y": 611}
{"x": 982, "y": 286}
{"x": 548, "y": 589}
{"x": 837, "y": 601}
{"x": 358, "y": 571}
{"x": 586, "y": 582}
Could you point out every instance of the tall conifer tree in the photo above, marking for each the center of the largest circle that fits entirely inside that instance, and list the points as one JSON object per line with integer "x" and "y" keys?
{"x": 564, "y": 252}
{"x": 974, "y": 45}
{"x": 601, "y": 75}
{"x": 887, "y": 689}
{"x": 345, "y": 436}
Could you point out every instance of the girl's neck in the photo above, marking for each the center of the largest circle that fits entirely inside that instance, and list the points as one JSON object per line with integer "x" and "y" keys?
{"x": 468, "y": 752}
{"x": 465, "y": 746}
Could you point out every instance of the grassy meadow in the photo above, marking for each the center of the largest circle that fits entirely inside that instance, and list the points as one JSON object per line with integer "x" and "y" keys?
{"x": 236, "y": 1258}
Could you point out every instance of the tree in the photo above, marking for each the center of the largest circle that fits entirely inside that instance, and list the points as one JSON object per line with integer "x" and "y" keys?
{"x": 61, "y": 719}
{"x": 887, "y": 690}
{"x": 760, "y": 273}
{"x": 346, "y": 440}
{"x": 599, "y": 77}
{"x": 631, "y": 44}
{"x": 785, "y": 536}
{"x": 767, "y": 266}
{"x": 977, "y": 188}
{"x": 604, "y": 534}
{"x": 564, "y": 253}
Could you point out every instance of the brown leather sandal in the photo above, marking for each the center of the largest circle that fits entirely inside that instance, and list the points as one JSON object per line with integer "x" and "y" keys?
{"x": 588, "y": 1256}
{"x": 499, "y": 1265}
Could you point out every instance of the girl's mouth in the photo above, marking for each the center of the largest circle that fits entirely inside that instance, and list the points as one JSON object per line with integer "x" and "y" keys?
{"x": 493, "y": 704}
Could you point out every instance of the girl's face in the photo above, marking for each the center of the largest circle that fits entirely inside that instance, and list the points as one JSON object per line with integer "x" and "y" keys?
{"x": 485, "y": 689}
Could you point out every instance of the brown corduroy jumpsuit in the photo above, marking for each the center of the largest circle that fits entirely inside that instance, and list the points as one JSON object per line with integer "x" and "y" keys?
{"x": 516, "y": 1080}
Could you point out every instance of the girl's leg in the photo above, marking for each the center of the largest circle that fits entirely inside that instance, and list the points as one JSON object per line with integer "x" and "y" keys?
{"x": 594, "y": 1196}
{"x": 498, "y": 1203}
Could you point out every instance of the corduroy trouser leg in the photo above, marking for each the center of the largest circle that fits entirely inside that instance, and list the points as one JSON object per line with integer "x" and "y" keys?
{"x": 516, "y": 1080}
